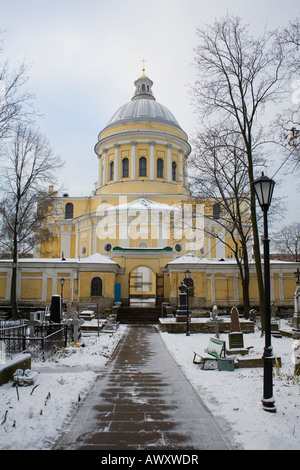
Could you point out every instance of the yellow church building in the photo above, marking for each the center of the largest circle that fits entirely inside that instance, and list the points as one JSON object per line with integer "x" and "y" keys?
{"x": 139, "y": 231}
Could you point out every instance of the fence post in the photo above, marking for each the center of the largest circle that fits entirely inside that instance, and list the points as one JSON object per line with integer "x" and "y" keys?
{"x": 66, "y": 335}
{"x": 43, "y": 348}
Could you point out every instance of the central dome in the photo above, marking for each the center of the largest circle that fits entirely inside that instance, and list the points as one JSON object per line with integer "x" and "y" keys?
{"x": 143, "y": 107}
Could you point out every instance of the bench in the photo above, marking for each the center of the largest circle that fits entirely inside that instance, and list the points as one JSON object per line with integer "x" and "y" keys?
{"x": 216, "y": 349}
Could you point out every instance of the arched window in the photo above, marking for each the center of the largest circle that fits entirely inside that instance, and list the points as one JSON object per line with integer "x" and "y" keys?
{"x": 125, "y": 168}
{"x": 96, "y": 287}
{"x": 174, "y": 171}
{"x": 111, "y": 171}
{"x": 160, "y": 168}
{"x": 69, "y": 210}
{"x": 142, "y": 166}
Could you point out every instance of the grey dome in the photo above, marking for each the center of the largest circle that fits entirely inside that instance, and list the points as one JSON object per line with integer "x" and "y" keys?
{"x": 143, "y": 110}
{"x": 143, "y": 107}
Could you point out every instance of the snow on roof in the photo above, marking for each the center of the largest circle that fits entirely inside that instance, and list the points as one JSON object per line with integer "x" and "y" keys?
{"x": 144, "y": 204}
{"x": 97, "y": 259}
{"x": 190, "y": 258}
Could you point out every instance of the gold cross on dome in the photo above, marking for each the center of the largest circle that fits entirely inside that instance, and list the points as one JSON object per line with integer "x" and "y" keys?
{"x": 143, "y": 65}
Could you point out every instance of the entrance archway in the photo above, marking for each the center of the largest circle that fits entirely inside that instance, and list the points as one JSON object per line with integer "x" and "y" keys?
{"x": 142, "y": 286}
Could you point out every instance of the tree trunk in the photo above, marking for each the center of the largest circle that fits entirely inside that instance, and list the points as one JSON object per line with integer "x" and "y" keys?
{"x": 13, "y": 290}
{"x": 257, "y": 256}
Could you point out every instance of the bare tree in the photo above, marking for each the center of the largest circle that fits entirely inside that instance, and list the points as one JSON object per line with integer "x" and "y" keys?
{"x": 289, "y": 120}
{"x": 287, "y": 240}
{"x": 15, "y": 104}
{"x": 238, "y": 75}
{"x": 220, "y": 175}
{"x": 30, "y": 166}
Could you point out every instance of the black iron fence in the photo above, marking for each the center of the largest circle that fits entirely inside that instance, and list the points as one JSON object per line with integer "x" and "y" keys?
{"x": 40, "y": 340}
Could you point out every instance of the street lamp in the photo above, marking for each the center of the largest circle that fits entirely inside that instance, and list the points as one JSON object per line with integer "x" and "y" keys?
{"x": 264, "y": 187}
{"x": 187, "y": 276}
{"x": 62, "y": 281}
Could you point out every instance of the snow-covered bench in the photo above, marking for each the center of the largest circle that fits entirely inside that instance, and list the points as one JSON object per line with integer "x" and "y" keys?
{"x": 216, "y": 349}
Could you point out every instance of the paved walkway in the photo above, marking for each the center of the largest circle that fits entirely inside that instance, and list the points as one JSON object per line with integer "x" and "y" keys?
{"x": 143, "y": 401}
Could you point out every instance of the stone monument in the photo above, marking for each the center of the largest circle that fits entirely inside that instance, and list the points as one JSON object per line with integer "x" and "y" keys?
{"x": 76, "y": 323}
{"x": 56, "y": 309}
{"x": 236, "y": 337}
{"x": 181, "y": 312}
{"x": 215, "y": 319}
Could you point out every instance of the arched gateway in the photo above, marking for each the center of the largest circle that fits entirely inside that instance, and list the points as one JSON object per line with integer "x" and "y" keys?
{"x": 142, "y": 276}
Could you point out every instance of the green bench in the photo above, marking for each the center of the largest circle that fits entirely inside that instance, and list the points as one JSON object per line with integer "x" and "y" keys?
{"x": 216, "y": 348}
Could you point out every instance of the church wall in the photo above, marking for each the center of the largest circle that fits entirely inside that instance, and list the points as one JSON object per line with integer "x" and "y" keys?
{"x": 212, "y": 285}
{"x": 140, "y": 126}
{"x": 3, "y": 285}
{"x": 108, "y": 283}
{"x": 39, "y": 280}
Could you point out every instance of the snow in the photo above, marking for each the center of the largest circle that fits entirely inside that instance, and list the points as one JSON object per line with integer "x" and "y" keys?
{"x": 35, "y": 420}
{"x": 236, "y": 396}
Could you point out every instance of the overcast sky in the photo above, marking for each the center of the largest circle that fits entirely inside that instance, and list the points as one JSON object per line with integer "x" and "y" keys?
{"x": 86, "y": 54}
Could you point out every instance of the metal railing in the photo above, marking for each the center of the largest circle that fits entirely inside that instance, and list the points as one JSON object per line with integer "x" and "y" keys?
{"x": 13, "y": 336}
{"x": 41, "y": 342}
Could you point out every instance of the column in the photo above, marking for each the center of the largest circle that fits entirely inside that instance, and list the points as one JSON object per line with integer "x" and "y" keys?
{"x": 100, "y": 175}
{"x": 152, "y": 165}
{"x": 133, "y": 162}
{"x": 116, "y": 175}
{"x": 181, "y": 165}
{"x": 169, "y": 163}
{"x": 104, "y": 176}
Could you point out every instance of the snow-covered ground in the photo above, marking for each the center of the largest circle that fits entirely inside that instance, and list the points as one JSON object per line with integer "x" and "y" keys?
{"x": 34, "y": 417}
{"x": 236, "y": 396}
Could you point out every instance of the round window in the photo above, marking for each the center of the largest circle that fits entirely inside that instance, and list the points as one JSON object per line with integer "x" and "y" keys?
{"x": 178, "y": 247}
{"x": 108, "y": 247}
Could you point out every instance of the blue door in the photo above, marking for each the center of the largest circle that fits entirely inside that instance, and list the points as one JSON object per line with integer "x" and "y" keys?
{"x": 117, "y": 292}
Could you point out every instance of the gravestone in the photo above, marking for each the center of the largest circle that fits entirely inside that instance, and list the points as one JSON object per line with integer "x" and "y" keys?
{"x": 252, "y": 315}
{"x": 274, "y": 323}
{"x": 181, "y": 312}
{"x": 77, "y": 323}
{"x": 296, "y": 316}
{"x": 235, "y": 337}
{"x": 56, "y": 309}
{"x": 215, "y": 320}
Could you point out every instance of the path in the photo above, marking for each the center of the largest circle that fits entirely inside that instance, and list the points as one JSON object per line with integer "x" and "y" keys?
{"x": 143, "y": 401}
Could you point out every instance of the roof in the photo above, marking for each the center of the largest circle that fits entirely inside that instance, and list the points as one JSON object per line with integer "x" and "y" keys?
{"x": 143, "y": 107}
{"x": 144, "y": 204}
{"x": 143, "y": 110}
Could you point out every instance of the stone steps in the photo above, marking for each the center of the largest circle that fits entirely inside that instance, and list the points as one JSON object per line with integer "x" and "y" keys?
{"x": 144, "y": 315}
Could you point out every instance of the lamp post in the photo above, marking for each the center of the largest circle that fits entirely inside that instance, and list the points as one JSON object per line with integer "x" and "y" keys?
{"x": 264, "y": 187}
{"x": 187, "y": 276}
{"x": 62, "y": 281}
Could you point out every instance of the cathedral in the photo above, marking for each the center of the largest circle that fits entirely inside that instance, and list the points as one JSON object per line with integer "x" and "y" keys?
{"x": 140, "y": 230}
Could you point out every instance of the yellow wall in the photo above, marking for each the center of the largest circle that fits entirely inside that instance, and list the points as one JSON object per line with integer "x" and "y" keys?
{"x": 31, "y": 289}
{"x": 3, "y": 285}
{"x": 108, "y": 283}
